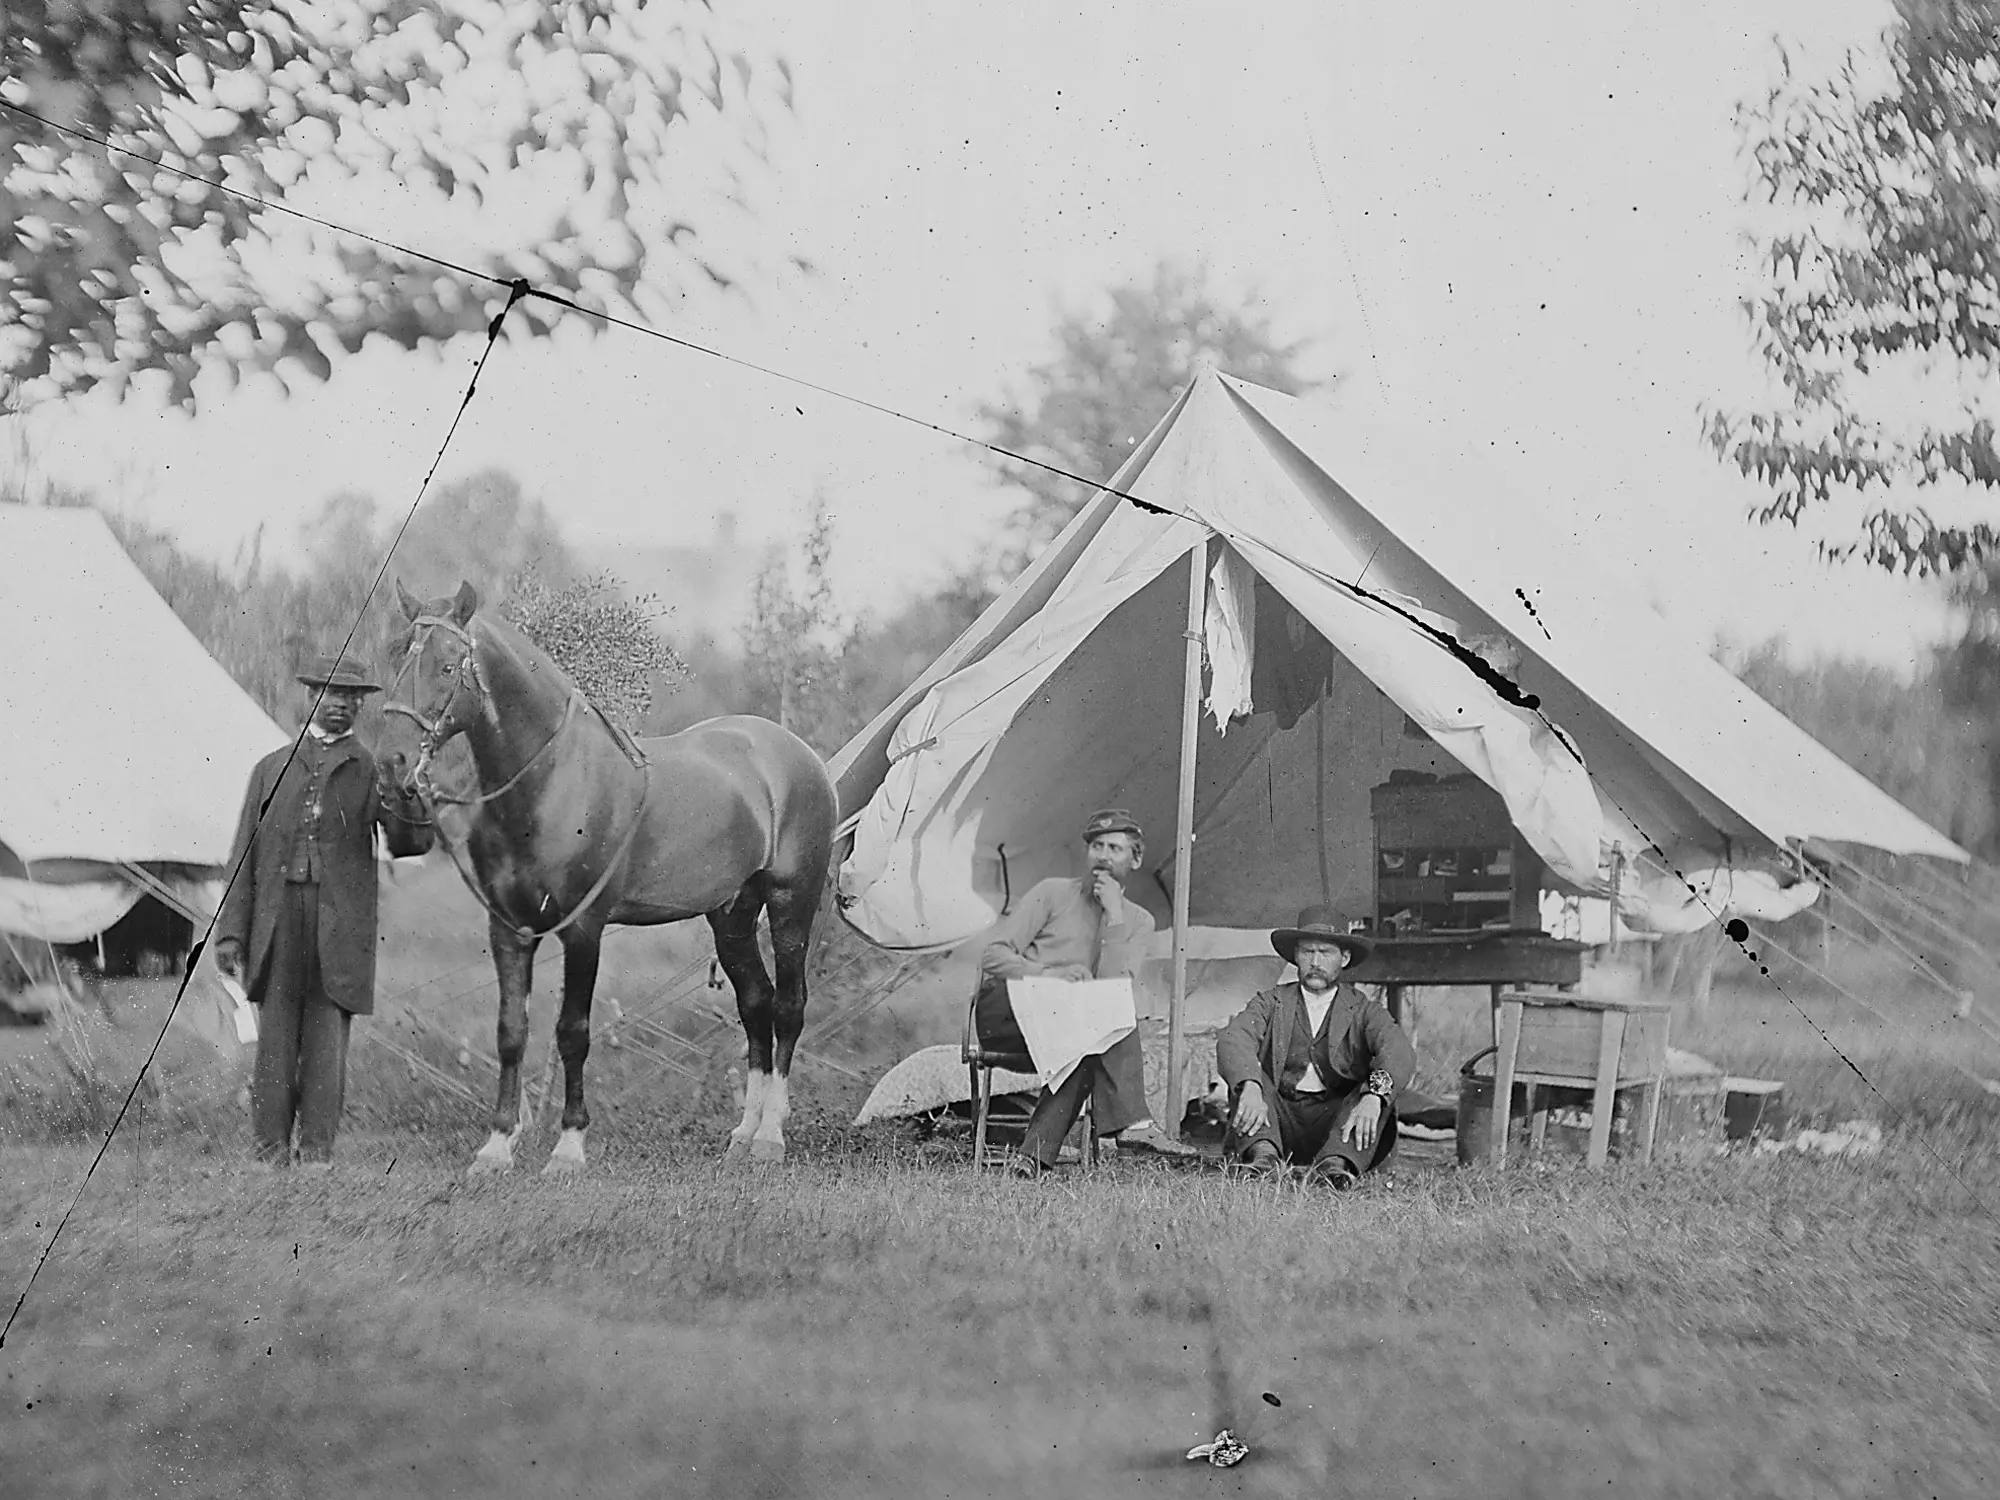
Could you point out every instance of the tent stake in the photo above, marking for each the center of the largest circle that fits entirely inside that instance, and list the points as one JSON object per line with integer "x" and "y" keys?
{"x": 1184, "y": 832}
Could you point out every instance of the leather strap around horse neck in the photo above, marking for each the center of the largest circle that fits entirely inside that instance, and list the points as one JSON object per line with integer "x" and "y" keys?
{"x": 432, "y": 794}
{"x": 473, "y": 883}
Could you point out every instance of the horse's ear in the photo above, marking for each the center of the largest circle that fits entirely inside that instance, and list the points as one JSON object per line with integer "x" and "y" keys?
{"x": 464, "y": 603}
{"x": 412, "y": 607}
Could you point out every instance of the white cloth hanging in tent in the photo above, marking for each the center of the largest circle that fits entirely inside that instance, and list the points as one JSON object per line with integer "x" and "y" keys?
{"x": 1650, "y": 901}
{"x": 1229, "y": 626}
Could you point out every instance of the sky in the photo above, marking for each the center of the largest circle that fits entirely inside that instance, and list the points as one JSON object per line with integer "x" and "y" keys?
{"x": 1520, "y": 227}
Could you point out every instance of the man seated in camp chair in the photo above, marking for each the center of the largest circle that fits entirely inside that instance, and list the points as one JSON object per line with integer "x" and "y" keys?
{"x": 1313, "y": 1068}
{"x": 1068, "y": 928}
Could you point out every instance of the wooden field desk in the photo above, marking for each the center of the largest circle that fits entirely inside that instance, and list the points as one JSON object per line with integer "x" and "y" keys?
{"x": 1497, "y": 959}
{"x": 1578, "y": 1042}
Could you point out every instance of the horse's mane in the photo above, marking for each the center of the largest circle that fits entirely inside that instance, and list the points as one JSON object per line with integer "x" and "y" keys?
{"x": 537, "y": 665}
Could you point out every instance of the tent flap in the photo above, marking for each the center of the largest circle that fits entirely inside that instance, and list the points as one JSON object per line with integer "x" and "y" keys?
{"x": 1072, "y": 699}
{"x": 124, "y": 740}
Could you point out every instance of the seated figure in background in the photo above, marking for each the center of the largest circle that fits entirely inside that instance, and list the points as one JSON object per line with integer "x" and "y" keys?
{"x": 1314, "y": 1068}
{"x": 1069, "y": 928}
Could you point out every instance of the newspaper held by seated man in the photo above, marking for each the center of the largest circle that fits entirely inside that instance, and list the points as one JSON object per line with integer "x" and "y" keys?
{"x": 1065, "y": 1020}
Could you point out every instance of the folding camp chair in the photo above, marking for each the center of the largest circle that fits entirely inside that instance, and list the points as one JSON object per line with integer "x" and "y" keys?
{"x": 981, "y": 1061}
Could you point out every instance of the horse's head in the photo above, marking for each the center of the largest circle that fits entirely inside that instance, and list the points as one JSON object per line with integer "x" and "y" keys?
{"x": 447, "y": 690}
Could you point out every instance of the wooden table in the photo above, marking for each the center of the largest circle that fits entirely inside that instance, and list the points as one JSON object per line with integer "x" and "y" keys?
{"x": 1573, "y": 1040}
{"x": 1498, "y": 959}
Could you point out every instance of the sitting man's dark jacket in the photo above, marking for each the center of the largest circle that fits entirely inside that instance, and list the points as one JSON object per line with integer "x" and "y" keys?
{"x": 1312, "y": 1079}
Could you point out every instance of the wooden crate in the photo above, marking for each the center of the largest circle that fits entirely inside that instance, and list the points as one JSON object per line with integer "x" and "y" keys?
{"x": 1560, "y": 1036}
{"x": 1692, "y": 1108}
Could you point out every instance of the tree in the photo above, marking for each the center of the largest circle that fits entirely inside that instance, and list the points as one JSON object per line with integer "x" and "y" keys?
{"x": 481, "y": 529}
{"x": 612, "y": 114}
{"x": 711, "y": 684}
{"x": 1910, "y": 738}
{"x": 1113, "y": 376}
{"x": 607, "y": 643}
{"x": 798, "y": 647}
{"x": 1883, "y": 271}
{"x": 889, "y": 654}
{"x": 1967, "y": 671}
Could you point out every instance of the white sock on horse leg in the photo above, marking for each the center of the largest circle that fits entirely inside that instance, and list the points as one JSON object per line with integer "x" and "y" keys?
{"x": 499, "y": 1149}
{"x": 777, "y": 1109}
{"x": 755, "y": 1086}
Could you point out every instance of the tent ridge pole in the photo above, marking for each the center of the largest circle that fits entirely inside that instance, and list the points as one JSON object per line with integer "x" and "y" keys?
{"x": 1175, "y": 1086}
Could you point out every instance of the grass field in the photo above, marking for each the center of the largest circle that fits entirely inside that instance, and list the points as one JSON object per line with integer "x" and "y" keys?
{"x": 871, "y": 1319}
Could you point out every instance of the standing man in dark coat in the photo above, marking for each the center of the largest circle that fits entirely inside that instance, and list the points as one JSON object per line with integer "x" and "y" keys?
{"x": 1066, "y": 928}
{"x": 1314, "y": 1069}
{"x": 297, "y": 924}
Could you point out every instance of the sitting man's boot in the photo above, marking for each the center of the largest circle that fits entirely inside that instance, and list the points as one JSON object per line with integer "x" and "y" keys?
{"x": 1262, "y": 1158}
{"x": 1334, "y": 1172}
{"x": 1148, "y": 1136}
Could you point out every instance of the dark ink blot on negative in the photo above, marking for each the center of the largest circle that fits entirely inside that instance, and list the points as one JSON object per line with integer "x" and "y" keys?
{"x": 1533, "y": 613}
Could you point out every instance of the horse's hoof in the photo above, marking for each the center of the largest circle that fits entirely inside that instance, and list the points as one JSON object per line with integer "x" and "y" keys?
{"x": 567, "y": 1157}
{"x": 737, "y": 1153}
{"x": 496, "y": 1156}
{"x": 767, "y": 1151}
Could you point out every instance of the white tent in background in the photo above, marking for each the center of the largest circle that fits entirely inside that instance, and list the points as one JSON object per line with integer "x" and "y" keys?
{"x": 124, "y": 746}
{"x": 1467, "y": 633}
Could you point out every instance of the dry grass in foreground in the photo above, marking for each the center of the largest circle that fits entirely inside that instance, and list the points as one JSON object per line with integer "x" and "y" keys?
{"x": 877, "y": 1322}
{"x": 873, "y": 1320}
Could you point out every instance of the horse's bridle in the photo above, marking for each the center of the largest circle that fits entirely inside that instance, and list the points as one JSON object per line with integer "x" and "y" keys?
{"x": 421, "y": 628}
{"x": 433, "y": 739}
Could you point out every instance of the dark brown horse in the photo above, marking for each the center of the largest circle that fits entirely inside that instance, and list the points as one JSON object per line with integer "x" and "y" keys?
{"x": 576, "y": 827}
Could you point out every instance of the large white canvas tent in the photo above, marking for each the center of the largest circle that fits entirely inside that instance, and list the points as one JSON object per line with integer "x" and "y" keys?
{"x": 1366, "y": 603}
{"x": 124, "y": 746}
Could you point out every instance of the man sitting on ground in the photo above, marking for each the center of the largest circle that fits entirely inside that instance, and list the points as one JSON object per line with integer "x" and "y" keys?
{"x": 1313, "y": 1068}
{"x": 1065, "y": 928}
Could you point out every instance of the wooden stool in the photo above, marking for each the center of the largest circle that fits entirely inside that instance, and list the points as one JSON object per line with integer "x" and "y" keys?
{"x": 1579, "y": 1042}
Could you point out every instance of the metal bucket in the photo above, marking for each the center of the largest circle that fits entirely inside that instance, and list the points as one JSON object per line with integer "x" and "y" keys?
{"x": 1475, "y": 1111}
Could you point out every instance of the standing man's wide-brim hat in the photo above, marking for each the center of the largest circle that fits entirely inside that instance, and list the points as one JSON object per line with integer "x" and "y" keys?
{"x": 1325, "y": 924}
{"x": 329, "y": 672}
